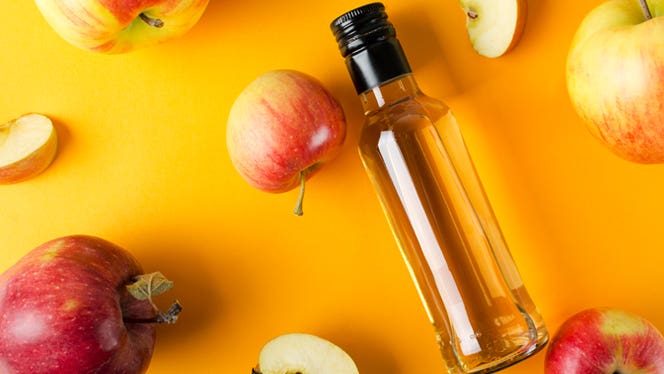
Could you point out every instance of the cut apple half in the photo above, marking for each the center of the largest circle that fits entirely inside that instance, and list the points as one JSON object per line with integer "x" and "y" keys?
{"x": 27, "y": 147}
{"x": 303, "y": 354}
{"x": 494, "y": 26}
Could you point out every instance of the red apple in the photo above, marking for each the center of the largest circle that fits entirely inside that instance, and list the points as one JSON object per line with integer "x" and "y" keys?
{"x": 606, "y": 341}
{"x": 65, "y": 308}
{"x": 615, "y": 77}
{"x": 281, "y": 128}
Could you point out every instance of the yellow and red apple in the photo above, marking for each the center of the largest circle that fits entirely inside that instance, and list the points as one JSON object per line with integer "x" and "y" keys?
{"x": 494, "y": 26}
{"x": 116, "y": 26}
{"x": 281, "y": 128}
{"x": 28, "y": 145}
{"x": 615, "y": 77}
{"x": 605, "y": 340}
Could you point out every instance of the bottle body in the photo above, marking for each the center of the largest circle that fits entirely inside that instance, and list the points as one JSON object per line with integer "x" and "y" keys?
{"x": 415, "y": 156}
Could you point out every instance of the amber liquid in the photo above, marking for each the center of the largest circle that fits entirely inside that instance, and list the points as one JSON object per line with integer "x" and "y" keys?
{"x": 415, "y": 156}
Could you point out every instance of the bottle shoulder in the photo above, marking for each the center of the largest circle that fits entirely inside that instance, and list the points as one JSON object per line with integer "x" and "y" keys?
{"x": 421, "y": 106}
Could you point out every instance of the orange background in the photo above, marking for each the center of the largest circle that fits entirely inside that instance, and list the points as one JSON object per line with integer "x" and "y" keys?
{"x": 143, "y": 163}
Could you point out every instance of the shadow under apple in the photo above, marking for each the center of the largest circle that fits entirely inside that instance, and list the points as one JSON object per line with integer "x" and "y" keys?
{"x": 369, "y": 353}
{"x": 194, "y": 287}
{"x": 64, "y": 139}
{"x": 426, "y": 50}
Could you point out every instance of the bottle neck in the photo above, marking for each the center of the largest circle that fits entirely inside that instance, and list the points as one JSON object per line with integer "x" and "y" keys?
{"x": 389, "y": 93}
{"x": 376, "y": 62}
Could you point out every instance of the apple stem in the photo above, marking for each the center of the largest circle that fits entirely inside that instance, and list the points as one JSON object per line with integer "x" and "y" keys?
{"x": 154, "y": 22}
{"x": 646, "y": 10}
{"x": 170, "y": 317}
{"x": 300, "y": 198}
{"x": 143, "y": 287}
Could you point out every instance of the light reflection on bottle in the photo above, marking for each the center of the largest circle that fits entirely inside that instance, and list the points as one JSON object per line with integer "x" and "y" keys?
{"x": 402, "y": 180}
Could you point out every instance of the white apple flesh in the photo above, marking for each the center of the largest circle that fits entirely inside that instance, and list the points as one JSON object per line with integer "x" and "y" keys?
{"x": 303, "y": 354}
{"x": 28, "y": 145}
{"x": 494, "y": 26}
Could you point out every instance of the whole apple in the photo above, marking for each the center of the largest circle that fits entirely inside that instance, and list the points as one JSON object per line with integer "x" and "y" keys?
{"x": 615, "y": 77}
{"x": 65, "y": 308}
{"x": 281, "y": 129}
{"x": 116, "y": 26}
{"x": 606, "y": 341}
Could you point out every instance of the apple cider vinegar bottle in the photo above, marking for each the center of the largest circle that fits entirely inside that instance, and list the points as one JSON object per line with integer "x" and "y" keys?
{"x": 415, "y": 156}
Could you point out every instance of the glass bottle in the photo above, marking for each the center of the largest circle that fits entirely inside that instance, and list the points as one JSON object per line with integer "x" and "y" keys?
{"x": 414, "y": 154}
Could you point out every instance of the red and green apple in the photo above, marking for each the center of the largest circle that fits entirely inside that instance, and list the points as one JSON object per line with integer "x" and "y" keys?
{"x": 281, "y": 128}
{"x": 116, "y": 26}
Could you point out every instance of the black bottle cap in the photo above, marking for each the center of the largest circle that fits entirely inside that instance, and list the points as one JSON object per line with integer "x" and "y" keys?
{"x": 368, "y": 42}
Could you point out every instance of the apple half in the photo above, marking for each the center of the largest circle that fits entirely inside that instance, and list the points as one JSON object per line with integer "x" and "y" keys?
{"x": 494, "y": 26}
{"x": 303, "y": 354}
{"x": 27, "y": 147}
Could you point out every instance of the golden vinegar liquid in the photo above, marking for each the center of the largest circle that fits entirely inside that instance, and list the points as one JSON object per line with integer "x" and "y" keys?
{"x": 446, "y": 232}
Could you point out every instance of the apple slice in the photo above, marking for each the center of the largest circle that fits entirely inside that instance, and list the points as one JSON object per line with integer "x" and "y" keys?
{"x": 494, "y": 26}
{"x": 27, "y": 146}
{"x": 304, "y": 354}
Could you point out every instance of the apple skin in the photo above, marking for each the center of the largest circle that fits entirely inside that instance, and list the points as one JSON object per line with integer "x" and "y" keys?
{"x": 62, "y": 307}
{"x": 31, "y": 166}
{"x": 116, "y": 26}
{"x": 283, "y": 124}
{"x": 34, "y": 164}
{"x": 605, "y": 340}
{"x": 615, "y": 78}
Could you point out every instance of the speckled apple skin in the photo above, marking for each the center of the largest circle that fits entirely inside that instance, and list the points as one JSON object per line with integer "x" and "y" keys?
{"x": 615, "y": 79}
{"x": 282, "y": 123}
{"x": 62, "y": 309}
{"x": 605, "y": 341}
{"x": 114, "y": 26}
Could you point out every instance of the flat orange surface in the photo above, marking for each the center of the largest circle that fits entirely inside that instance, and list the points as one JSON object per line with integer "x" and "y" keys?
{"x": 143, "y": 163}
